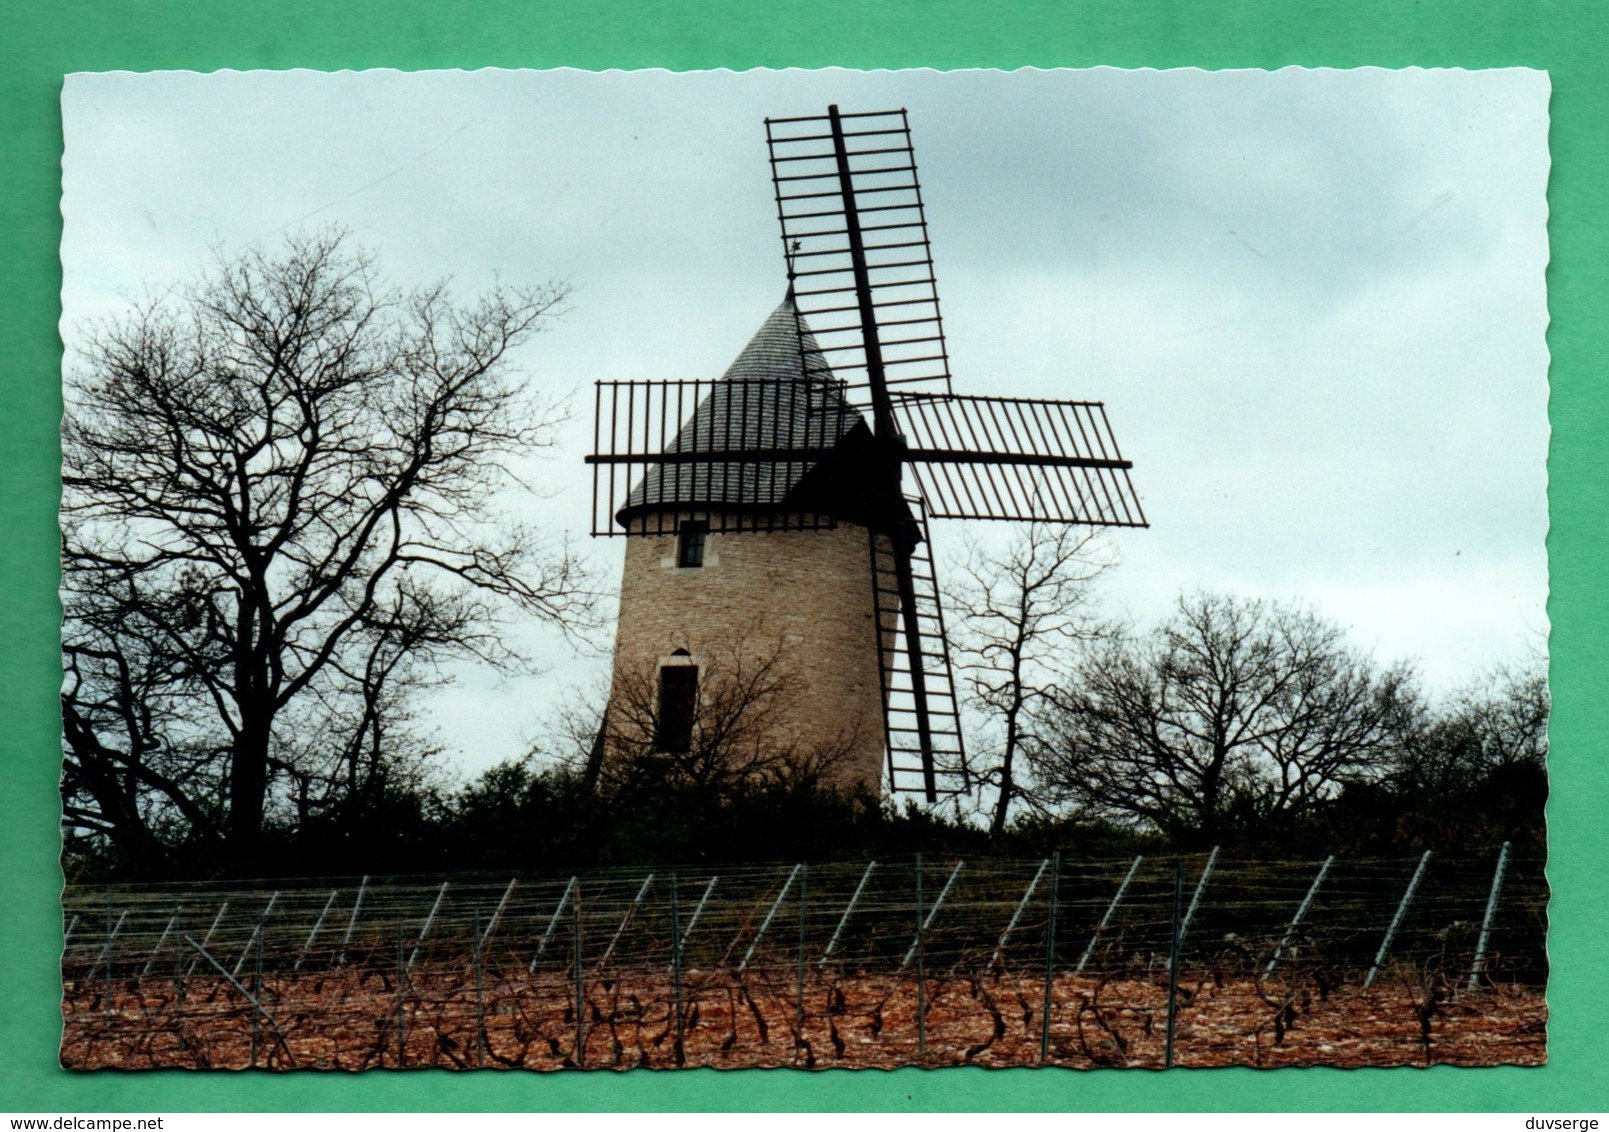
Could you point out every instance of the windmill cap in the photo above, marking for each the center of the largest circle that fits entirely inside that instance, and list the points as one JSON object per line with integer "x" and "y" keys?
{"x": 778, "y": 393}
{"x": 775, "y": 352}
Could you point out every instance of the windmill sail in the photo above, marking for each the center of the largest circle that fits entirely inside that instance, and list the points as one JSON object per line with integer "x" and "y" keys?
{"x": 742, "y": 451}
{"x": 854, "y": 232}
{"x": 1015, "y": 458}
{"x": 921, "y": 720}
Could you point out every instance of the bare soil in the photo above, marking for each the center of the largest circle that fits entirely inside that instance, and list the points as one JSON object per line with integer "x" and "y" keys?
{"x": 348, "y": 1019}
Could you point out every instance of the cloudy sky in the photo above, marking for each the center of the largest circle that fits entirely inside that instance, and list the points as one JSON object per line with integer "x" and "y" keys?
{"x": 1313, "y": 301}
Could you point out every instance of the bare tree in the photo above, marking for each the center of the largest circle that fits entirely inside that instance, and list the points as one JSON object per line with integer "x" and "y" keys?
{"x": 1492, "y": 730}
{"x": 1025, "y": 611}
{"x": 122, "y": 777}
{"x": 276, "y": 517}
{"x": 1232, "y": 715}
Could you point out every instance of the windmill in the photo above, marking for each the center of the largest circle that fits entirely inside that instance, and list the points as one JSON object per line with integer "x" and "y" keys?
{"x": 796, "y": 461}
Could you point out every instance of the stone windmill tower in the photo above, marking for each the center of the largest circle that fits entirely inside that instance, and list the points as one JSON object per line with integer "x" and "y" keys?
{"x": 767, "y": 516}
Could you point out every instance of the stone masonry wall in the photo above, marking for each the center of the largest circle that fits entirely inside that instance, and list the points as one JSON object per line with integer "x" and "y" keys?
{"x": 804, "y": 596}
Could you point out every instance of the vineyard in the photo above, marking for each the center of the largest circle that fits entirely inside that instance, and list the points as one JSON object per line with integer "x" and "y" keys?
{"x": 1140, "y": 963}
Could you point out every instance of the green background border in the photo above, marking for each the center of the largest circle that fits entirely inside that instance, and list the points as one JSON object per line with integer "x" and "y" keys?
{"x": 41, "y": 45}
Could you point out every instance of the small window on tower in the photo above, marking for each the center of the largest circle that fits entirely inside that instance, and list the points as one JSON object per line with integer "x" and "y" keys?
{"x": 678, "y": 699}
{"x": 690, "y": 547}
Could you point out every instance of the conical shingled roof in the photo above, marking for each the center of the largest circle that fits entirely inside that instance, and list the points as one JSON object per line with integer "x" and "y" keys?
{"x": 773, "y": 396}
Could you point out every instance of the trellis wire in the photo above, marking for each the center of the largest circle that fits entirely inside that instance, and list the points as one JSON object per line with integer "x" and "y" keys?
{"x": 614, "y": 940}
{"x": 430, "y": 921}
{"x": 579, "y": 972}
{"x": 1195, "y": 898}
{"x": 921, "y": 963}
{"x": 1301, "y": 911}
{"x": 402, "y": 1002}
{"x": 676, "y": 944}
{"x": 497, "y": 915}
{"x": 156, "y": 951}
{"x": 977, "y": 910}
{"x": 994, "y": 926}
{"x": 480, "y": 1004}
{"x": 553, "y": 923}
{"x": 849, "y": 910}
{"x": 317, "y": 924}
{"x": 1011, "y": 924}
{"x": 1486, "y": 920}
{"x": 1396, "y": 920}
{"x": 804, "y": 907}
{"x": 257, "y": 1007}
{"x": 1173, "y": 961}
{"x": 352, "y": 921}
{"x": 924, "y": 924}
{"x": 1050, "y": 960}
{"x": 692, "y": 921}
{"x": 1106, "y": 920}
{"x": 257, "y": 932}
{"x": 257, "y": 975}
{"x": 769, "y": 916}
{"x": 106, "y": 954}
{"x": 106, "y": 950}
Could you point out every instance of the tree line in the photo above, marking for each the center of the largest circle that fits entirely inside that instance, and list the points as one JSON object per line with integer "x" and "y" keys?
{"x": 278, "y": 525}
{"x": 1231, "y": 718}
